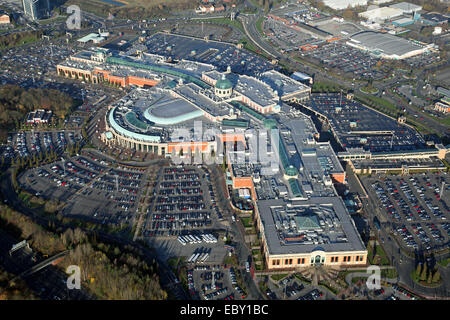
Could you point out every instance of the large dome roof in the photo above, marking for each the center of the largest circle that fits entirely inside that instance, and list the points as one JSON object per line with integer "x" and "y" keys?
{"x": 224, "y": 83}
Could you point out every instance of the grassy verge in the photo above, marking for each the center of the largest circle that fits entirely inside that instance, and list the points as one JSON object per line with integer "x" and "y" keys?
{"x": 258, "y": 25}
{"x": 329, "y": 287}
{"x": 389, "y": 273}
{"x": 380, "y": 257}
{"x": 369, "y": 90}
{"x": 246, "y": 222}
{"x": 378, "y": 103}
{"x": 444, "y": 263}
{"x": 356, "y": 279}
{"x": 226, "y": 21}
{"x": 302, "y": 279}
{"x": 278, "y": 277}
{"x": 325, "y": 86}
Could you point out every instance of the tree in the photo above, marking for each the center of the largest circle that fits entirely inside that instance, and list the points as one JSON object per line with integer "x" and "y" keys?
{"x": 418, "y": 269}
{"x": 436, "y": 277}
{"x": 266, "y": 6}
{"x": 423, "y": 275}
{"x": 430, "y": 278}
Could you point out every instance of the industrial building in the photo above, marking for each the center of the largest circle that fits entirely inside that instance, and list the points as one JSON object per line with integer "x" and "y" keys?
{"x": 386, "y": 45}
{"x": 406, "y": 7}
{"x": 381, "y": 14}
{"x": 433, "y": 18}
{"x": 378, "y": 2}
{"x": 344, "y": 4}
{"x": 403, "y": 22}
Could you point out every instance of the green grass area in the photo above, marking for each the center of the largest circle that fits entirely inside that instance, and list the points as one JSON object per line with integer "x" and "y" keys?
{"x": 51, "y": 20}
{"x": 329, "y": 287}
{"x": 324, "y": 86}
{"x": 228, "y": 260}
{"x": 389, "y": 273}
{"x": 445, "y": 121}
{"x": 29, "y": 200}
{"x": 23, "y": 41}
{"x": 378, "y": 103}
{"x": 302, "y": 278}
{"x": 356, "y": 279}
{"x": 416, "y": 279}
{"x": 258, "y": 24}
{"x": 259, "y": 267}
{"x": 278, "y": 277}
{"x": 250, "y": 46}
{"x": 226, "y": 21}
{"x": 262, "y": 286}
{"x": 369, "y": 90}
{"x": 247, "y": 222}
{"x": 444, "y": 263}
{"x": 380, "y": 256}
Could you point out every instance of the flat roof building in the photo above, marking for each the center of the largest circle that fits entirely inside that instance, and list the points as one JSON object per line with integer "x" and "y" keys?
{"x": 344, "y": 4}
{"x": 381, "y": 14}
{"x": 406, "y": 7}
{"x": 386, "y": 45}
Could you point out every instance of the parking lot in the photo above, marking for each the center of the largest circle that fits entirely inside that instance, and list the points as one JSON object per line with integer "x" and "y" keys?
{"x": 291, "y": 288}
{"x": 28, "y": 62}
{"x": 214, "y": 283}
{"x": 351, "y": 61}
{"x": 183, "y": 220}
{"x": 419, "y": 216}
{"x": 284, "y": 36}
{"x": 352, "y": 115}
{"x": 33, "y": 143}
{"x": 91, "y": 188}
{"x": 183, "y": 201}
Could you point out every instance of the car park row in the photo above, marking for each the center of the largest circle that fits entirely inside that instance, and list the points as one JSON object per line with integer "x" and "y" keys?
{"x": 415, "y": 208}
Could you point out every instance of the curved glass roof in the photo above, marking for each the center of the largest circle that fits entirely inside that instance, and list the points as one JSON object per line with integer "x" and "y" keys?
{"x": 172, "y": 120}
{"x": 134, "y": 121}
{"x": 130, "y": 134}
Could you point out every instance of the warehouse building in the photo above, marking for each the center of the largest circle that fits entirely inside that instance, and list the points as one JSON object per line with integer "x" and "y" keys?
{"x": 406, "y": 7}
{"x": 386, "y": 45}
{"x": 344, "y": 4}
{"x": 381, "y": 14}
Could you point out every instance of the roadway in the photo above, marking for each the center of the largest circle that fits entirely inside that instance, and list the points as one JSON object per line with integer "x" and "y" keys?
{"x": 249, "y": 24}
{"x": 242, "y": 251}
